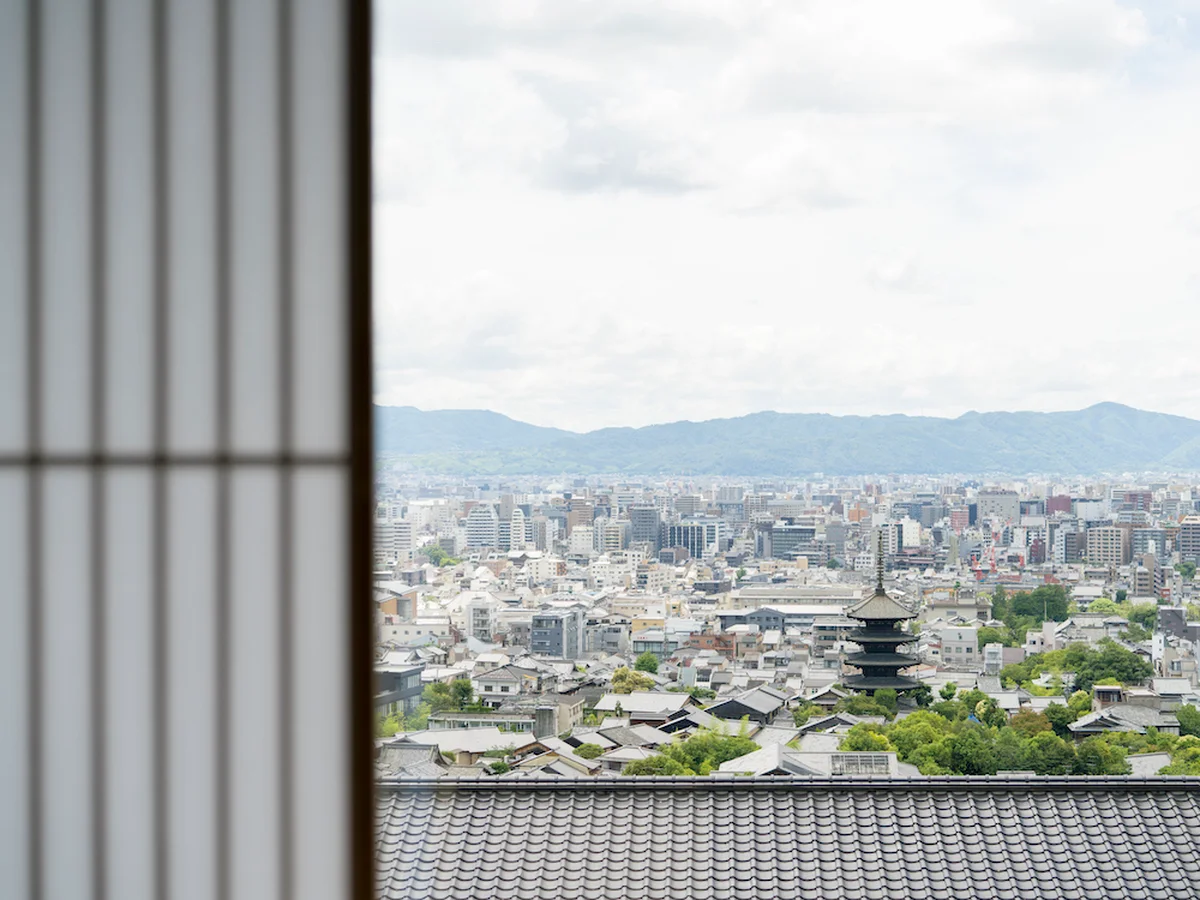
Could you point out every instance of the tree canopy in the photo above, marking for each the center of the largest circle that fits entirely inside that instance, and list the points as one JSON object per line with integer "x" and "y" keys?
{"x": 1109, "y": 660}
{"x": 700, "y": 754}
{"x": 626, "y": 681}
{"x": 647, "y": 662}
{"x": 940, "y": 745}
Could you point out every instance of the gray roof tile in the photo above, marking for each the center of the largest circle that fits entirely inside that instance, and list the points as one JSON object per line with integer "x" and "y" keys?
{"x": 713, "y": 838}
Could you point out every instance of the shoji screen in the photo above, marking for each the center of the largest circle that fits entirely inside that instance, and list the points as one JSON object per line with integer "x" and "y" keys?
{"x": 185, "y": 454}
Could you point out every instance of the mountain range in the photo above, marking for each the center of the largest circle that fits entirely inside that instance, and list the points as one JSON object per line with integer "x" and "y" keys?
{"x": 1107, "y": 437}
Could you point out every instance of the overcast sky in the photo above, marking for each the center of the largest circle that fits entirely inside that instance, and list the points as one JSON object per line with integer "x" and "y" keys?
{"x": 623, "y": 212}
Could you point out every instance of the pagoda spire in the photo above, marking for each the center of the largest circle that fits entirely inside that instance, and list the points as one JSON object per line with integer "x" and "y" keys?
{"x": 879, "y": 562}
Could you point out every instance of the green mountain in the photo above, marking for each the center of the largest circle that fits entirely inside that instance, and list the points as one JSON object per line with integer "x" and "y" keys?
{"x": 1106, "y": 437}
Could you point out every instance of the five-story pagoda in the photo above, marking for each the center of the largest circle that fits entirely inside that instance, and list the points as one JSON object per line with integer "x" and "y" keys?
{"x": 880, "y": 637}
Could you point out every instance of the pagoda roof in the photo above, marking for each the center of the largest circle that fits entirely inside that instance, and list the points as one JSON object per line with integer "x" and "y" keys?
{"x": 881, "y": 637}
{"x": 862, "y": 660}
{"x": 879, "y": 682}
{"x": 879, "y": 607}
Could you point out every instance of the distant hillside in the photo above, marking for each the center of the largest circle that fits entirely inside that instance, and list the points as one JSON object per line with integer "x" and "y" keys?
{"x": 1107, "y": 437}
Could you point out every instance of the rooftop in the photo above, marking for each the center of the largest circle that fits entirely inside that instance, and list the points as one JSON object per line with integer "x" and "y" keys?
{"x": 831, "y": 837}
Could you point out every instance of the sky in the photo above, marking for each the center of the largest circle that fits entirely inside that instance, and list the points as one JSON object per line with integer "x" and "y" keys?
{"x": 592, "y": 213}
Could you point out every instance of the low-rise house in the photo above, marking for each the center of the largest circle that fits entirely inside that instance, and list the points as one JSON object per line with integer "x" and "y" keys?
{"x": 397, "y": 687}
{"x": 501, "y": 685}
{"x": 779, "y": 760}
{"x": 615, "y": 760}
{"x": 761, "y": 705}
{"x": 467, "y": 745}
{"x": 840, "y": 721}
{"x": 652, "y": 707}
{"x": 405, "y": 760}
{"x": 1125, "y": 717}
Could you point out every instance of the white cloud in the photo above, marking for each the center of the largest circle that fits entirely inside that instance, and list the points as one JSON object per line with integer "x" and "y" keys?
{"x": 616, "y": 212}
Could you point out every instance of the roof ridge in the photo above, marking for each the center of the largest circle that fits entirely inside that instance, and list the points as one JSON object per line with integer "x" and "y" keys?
{"x": 854, "y": 783}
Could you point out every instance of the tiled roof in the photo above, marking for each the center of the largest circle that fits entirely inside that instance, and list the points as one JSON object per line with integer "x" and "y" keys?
{"x": 707, "y": 838}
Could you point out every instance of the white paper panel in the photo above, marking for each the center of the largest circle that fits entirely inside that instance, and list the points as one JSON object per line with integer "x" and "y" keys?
{"x": 321, "y": 789}
{"x": 66, "y": 234}
{"x": 65, "y": 702}
{"x": 192, "y": 684}
{"x": 14, "y": 676}
{"x": 255, "y": 227}
{"x": 13, "y": 244}
{"x": 255, "y": 754}
{"x": 320, "y": 223}
{"x": 129, "y": 228}
{"x": 192, "y": 199}
{"x": 129, "y": 666}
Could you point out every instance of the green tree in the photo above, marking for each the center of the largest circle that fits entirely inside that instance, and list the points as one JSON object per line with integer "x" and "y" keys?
{"x": 949, "y": 689}
{"x": 989, "y": 712}
{"x": 833, "y": 564}
{"x": 461, "y": 693}
{"x": 951, "y": 710}
{"x": 626, "y": 681}
{"x": 700, "y": 754}
{"x": 887, "y": 698}
{"x": 1135, "y": 633}
{"x": 971, "y": 753}
{"x": 1189, "y": 720}
{"x": 1048, "y": 754}
{"x": 989, "y": 634}
{"x": 805, "y": 711}
{"x": 1080, "y": 703}
{"x": 1143, "y": 614}
{"x": 1187, "y": 570}
{"x": 1047, "y": 603}
{"x": 387, "y": 726}
{"x": 589, "y": 751}
{"x": 1000, "y": 605}
{"x": 741, "y": 573}
{"x": 499, "y": 768}
{"x": 438, "y": 696}
{"x": 921, "y": 695}
{"x": 863, "y": 705}
{"x": 1121, "y": 595}
{"x": 1059, "y": 718}
{"x": 658, "y": 764}
{"x": 1096, "y": 756}
{"x": 647, "y": 662}
{"x": 1110, "y": 661}
{"x": 1102, "y": 606}
{"x": 866, "y": 738}
{"x": 916, "y": 730}
{"x": 1015, "y": 674}
{"x": 1027, "y": 723}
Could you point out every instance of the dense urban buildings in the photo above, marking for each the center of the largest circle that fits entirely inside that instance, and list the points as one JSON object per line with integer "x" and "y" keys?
{"x": 579, "y": 626}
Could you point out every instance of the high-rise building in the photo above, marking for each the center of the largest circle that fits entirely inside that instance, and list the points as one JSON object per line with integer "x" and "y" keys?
{"x": 1108, "y": 545}
{"x": 558, "y": 633}
{"x": 646, "y": 522}
{"x": 1188, "y": 541}
{"x": 700, "y": 537}
{"x": 516, "y": 531}
{"x": 1002, "y": 505}
{"x": 581, "y": 512}
{"x": 483, "y": 526}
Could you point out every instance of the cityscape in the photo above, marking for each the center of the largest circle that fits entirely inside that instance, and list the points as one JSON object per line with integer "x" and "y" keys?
{"x": 905, "y": 626}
